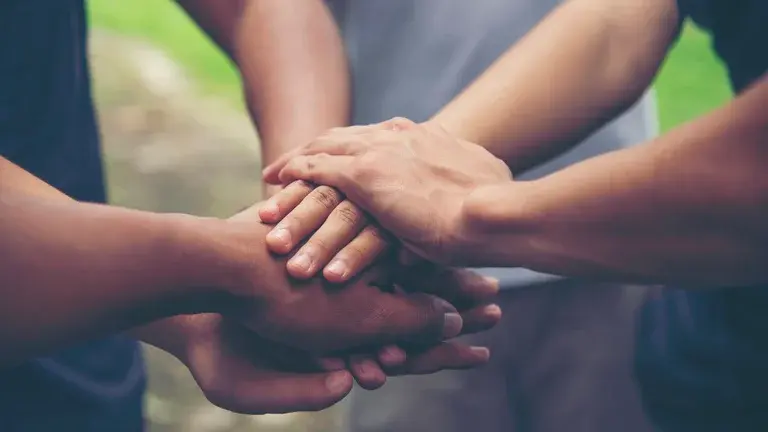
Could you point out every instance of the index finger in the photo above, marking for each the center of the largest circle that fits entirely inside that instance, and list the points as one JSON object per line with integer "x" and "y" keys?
{"x": 333, "y": 142}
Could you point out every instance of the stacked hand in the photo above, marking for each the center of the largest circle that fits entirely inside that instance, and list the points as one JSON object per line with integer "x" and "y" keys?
{"x": 413, "y": 179}
{"x": 291, "y": 345}
{"x": 391, "y": 171}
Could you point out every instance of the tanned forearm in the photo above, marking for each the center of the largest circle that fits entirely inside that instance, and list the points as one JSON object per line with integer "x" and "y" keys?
{"x": 72, "y": 271}
{"x": 579, "y": 68}
{"x": 689, "y": 208}
{"x": 292, "y": 61}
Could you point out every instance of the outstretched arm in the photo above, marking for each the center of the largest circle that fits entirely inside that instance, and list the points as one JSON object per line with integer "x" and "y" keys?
{"x": 581, "y": 67}
{"x": 688, "y": 208}
{"x": 72, "y": 271}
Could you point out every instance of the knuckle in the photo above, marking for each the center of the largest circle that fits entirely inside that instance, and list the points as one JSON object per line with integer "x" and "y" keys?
{"x": 401, "y": 123}
{"x": 349, "y": 214}
{"x": 377, "y": 235}
{"x": 303, "y": 185}
{"x": 353, "y": 253}
{"x": 326, "y": 197}
{"x": 318, "y": 244}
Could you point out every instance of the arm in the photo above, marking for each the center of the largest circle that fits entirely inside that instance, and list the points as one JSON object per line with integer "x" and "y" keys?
{"x": 72, "y": 271}
{"x": 292, "y": 62}
{"x": 95, "y": 270}
{"x": 582, "y": 66}
{"x": 689, "y": 207}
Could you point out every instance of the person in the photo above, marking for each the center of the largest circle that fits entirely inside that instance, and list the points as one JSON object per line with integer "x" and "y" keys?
{"x": 686, "y": 209}
{"x": 75, "y": 272}
{"x": 409, "y": 59}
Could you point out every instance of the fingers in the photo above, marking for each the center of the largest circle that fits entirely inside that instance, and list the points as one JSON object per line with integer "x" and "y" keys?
{"x": 358, "y": 254}
{"x": 320, "y": 169}
{"x": 461, "y": 287}
{"x": 446, "y": 355}
{"x": 343, "y": 224}
{"x": 368, "y": 374}
{"x": 391, "y": 356}
{"x": 337, "y": 141}
{"x": 414, "y": 318}
{"x": 480, "y": 318}
{"x": 278, "y": 393}
{"x": 283, "y": 202}
{"x": 305, "y": 218}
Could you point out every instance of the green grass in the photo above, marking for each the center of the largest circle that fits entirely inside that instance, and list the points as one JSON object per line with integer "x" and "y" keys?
{"x": 691, "y": 82}
{"x": 164, "y": 24}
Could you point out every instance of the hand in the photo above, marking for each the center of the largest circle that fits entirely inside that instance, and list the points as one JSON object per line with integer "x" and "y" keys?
{"x": 412, "y": 178}
{"x": 245, "y": 373}
{"x": 317, "y": 317}
{"x": 347, "y": 235}
{"x": 469, "y": 291}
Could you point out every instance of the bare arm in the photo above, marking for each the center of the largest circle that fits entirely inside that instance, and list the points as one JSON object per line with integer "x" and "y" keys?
{"x": 292, "y": 62}
{"x": 72, "y": 271}
{"x": 690, "y": 207}
{"x": 581, "y": 67}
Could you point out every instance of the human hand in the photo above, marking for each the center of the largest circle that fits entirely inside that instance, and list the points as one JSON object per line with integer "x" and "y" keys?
{"x": 412, "y": 178}
{"x": 470, "y": 292}
{"x": 322, "y": 318}
{"x": 336, "y": 229}
{"x": 242, "y": 372}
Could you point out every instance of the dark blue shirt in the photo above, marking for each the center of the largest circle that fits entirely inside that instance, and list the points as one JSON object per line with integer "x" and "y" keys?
{"x": 702, "y": 357}
{"x": 47, "y": 126}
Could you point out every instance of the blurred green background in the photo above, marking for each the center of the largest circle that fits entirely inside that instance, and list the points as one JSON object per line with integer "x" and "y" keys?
{"x": 691, "y": 82}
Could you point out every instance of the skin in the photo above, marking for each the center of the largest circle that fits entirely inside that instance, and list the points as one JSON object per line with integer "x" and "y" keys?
{"x": 293, "y": 94}
{"x": 171, "y": 278}
{"x": 520, "y": 123}
{"x": 177, "y": 274}
{"x": 686, "y": 208}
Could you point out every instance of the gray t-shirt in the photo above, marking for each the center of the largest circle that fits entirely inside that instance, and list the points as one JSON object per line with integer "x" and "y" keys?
{"x": 411, "y": 57}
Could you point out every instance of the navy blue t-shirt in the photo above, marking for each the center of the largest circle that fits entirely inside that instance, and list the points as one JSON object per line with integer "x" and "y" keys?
{"x": 47, "y": 126}
{"x": 702, "y": 357}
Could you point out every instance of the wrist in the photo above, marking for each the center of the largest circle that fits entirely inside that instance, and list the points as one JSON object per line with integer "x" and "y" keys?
{"x": 498, "y": 222}
{"x": 206, "y": 262}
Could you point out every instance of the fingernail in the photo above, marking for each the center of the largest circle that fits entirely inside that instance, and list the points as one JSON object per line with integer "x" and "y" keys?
{"x": 337, "y": 382}
{"x": 452, "y": 325}
{"x": 483, "y": 352}
{"x": 492, "y": 281}
{"x": 492, "y": 310}
{"x": 281, "y": 235}
{"x": 366, "y": 367}
{"x": 301, "y": 261}
{"x": 392, "y": 355}
{"x": 336, "y": 268}
{"x": 269, "y": 208}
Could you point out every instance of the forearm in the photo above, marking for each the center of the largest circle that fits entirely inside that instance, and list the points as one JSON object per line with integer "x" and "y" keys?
{"x": 581, "y": 67}
{"x": 73, "y": 271}
{"x": 296, "y": 73}
{"x": 688, "y": 208}
{"x": 292, "y": 63}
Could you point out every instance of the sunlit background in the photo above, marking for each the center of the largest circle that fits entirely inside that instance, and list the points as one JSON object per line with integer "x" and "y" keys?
{"x": 177, "y": 139}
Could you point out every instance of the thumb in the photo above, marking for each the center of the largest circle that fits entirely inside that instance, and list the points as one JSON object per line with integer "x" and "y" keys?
{"x": 279, "y": 393}
{"x": 412, "y": 318}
